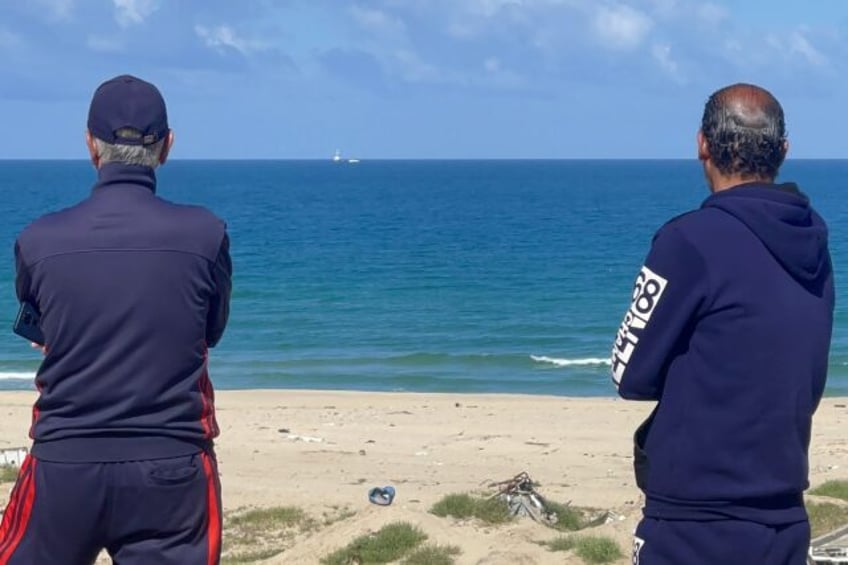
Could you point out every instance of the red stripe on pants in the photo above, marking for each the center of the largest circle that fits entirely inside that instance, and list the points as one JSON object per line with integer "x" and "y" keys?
{"x": 213, "y": 528}
{"x": 18, "y": 511}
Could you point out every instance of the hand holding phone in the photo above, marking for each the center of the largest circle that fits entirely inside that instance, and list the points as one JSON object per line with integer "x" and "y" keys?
{"x": 27, "y": 324}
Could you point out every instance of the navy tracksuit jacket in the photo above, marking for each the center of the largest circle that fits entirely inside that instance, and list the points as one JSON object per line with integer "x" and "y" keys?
{"x": 132, "y": 290}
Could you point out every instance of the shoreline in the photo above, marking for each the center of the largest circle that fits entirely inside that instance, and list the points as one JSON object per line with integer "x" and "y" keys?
{"x": 323, "y": 450}
{"x": 223, "y": 390}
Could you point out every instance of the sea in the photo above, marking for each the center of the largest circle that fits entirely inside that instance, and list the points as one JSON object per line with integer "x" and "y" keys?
{"x": 425, "y": 276}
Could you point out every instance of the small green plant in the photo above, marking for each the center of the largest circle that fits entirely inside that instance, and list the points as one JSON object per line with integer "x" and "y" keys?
{"x": 562, "y": 543}
{"x": 591, "y": 549}
{"x": 597, "y": 549}
{"x": 826, "y": 517}
{"x": 833, "y": 489}
{"x": 268, "y": 518}
{"x": 8, "y": 473}
{"x": 256, "y": 534}
{"x": 492, "y": 511}
{"x": 569, "y": 519}
{"x": 337, "y": 515}
{"x": 487, "y": 510}
{"x": 433, "y": 555}
{"x": 456, "y": 505}
{"x": 389, "y": 543}
{"x": 250, "y": 556}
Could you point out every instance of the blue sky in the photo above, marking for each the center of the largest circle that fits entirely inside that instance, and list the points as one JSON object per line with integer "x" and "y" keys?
{"x": 423, "y": 78}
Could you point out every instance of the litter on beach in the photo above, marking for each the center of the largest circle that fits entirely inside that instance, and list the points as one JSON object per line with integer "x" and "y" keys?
{"x": 13, "y": 456}
{"x": 830, "y": 549}
{"x": 522, "y": 499}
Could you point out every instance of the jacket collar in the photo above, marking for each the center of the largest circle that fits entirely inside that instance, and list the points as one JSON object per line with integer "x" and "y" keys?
{"x": 112, "y": 174}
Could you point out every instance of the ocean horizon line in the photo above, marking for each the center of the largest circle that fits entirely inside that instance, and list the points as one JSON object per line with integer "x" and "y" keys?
{"x": 363, "y": 159}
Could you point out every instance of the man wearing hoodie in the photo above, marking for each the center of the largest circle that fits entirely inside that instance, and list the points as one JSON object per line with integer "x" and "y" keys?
{"x": 729, "y": 330}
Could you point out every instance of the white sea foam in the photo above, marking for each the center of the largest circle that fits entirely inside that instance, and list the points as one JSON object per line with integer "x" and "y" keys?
{"x": 569, "y": 362}
{"x": 16, "y": 376}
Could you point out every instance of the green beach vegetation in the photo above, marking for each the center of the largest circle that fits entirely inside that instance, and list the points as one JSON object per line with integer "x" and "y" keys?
{"x": 825, "y": 515}
{"x": 493, "y": 511}
{"x": 833, "y": 489}
{"x": 433, "y": 555}
{"x": 255, "y": 534}
{"x": 390, "y": 543}
{"x": 591, "y": 549}
{"x": 465, "y": 506}
{"x": 8, "y": 473}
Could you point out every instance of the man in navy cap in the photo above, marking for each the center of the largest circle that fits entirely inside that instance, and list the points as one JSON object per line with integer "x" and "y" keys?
{"x": 729, "y": 330}
{"x": 132, "y": 290}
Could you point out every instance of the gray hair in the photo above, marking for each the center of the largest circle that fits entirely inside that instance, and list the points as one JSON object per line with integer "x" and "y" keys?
{"x": 146, "y": 155}
{"x": 745, "y": 131}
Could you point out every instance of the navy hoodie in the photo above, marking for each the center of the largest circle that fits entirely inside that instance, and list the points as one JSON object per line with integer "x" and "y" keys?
{"x": 132, "y": 289}
{"x": 729, "y": 329}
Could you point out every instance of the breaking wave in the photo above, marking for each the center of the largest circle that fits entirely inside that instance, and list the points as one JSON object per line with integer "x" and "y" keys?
{"x": 570, "y": 362}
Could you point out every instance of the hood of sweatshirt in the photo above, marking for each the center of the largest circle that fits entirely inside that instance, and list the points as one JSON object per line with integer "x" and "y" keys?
{"x": 781, "y": 217}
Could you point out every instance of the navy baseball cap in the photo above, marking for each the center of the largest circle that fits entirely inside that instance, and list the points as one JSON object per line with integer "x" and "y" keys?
{"x": 128, "y": 102}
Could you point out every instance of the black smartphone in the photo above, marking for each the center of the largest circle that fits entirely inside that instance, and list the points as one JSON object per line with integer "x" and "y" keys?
{"x": 27, "y": 324}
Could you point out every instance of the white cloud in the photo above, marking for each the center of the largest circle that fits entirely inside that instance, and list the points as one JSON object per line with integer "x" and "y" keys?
{"x": 129, "y": 12}
{"x": 104, "y": 44}
{"x": 498, "y": 76}
{"x": 224, "y": 37}
{"x": 414, "y": 69}
{"x": 377, "y": 20}
{"x": 712, "y": 14}
{"x": 664, "y": 8}
{"x": 489, "y": 8}
{"x": 800, "y": 45}
{"x": 411, "y": 68}
{"x": 58, "y": 9}
{"x": 796, "y": 45}
{"x": 733, "y": 46}
{"x": 622, "y": 27}
{"x": 774, "y": 41}
{"x": 661, "y": 52}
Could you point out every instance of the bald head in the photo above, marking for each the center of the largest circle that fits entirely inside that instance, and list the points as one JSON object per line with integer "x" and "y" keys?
{"x": 745, "y": 132}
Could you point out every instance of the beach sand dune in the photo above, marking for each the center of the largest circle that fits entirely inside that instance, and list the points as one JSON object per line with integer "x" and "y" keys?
{"x": 322, "y": 452}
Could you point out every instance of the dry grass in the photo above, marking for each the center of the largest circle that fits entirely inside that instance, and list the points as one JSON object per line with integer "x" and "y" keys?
{"x": 257, "y": 534}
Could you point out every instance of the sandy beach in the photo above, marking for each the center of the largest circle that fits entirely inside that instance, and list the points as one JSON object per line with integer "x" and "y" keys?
{"x": 323, "y": 451}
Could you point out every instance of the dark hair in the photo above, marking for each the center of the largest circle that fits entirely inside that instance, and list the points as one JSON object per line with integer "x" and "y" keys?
{"x": 745, "y": 131}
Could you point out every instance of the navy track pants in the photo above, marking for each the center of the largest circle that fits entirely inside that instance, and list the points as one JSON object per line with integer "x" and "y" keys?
{"x": 161, "y": 511}
{"x": 719, "y": 542}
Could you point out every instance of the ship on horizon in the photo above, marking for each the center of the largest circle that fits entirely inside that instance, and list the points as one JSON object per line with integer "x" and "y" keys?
{"x": 337, "y": 158}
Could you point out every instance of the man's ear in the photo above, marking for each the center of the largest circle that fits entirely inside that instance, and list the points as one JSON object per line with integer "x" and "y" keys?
{"x": 92, "y": 149}
{"x": 703, "y": 147}
{"x": 166, "y": 149}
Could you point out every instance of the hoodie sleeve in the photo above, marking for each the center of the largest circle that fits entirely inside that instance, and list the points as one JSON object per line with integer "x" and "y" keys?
{"x": 666, "y": 297}
{"x": 23, "y": 283}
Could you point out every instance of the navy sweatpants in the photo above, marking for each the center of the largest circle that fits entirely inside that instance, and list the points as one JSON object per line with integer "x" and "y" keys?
{"x": 719, "y": 542}
{"x": 163, "y": 511}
